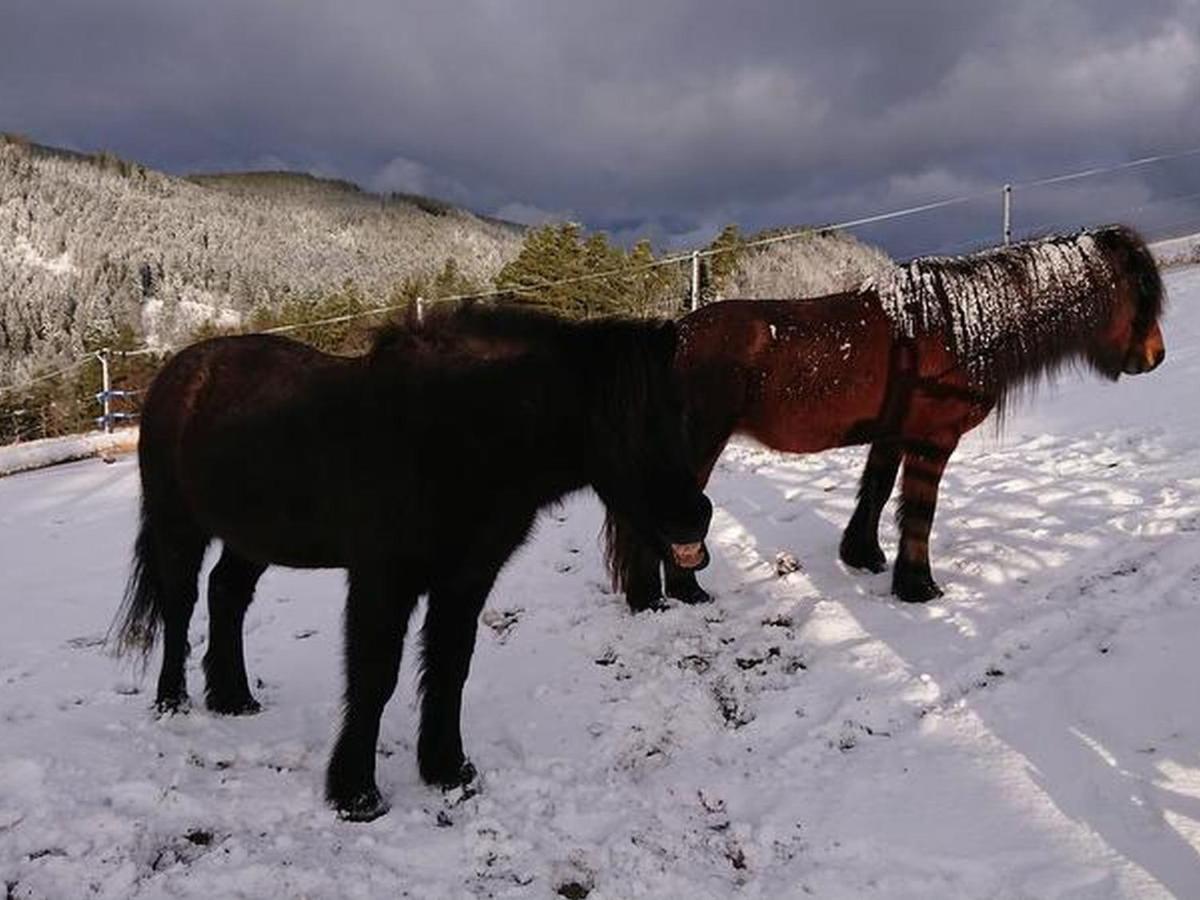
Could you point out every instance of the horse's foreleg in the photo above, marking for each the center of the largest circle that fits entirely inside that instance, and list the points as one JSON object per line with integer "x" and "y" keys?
{"x": 377, "y": 612}
{"x": 230, "y": 592}
{"x": 448, "y": 641}
{"x": 924, "y": 462}
{"x": 860, "y": 541}
{"x": 681, "y": 584}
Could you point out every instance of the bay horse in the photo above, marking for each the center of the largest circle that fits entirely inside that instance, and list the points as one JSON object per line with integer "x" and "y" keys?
{"x": 419, "y": 468}
{"x": 908, "y": 363}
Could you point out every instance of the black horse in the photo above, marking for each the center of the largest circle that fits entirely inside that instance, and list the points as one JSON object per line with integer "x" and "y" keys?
{"x": 419, "y": 467}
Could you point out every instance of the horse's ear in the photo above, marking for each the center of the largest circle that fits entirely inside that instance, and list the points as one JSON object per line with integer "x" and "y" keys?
{"x": 667, "y": 335}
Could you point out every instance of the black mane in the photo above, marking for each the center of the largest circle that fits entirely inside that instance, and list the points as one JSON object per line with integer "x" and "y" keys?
{"x": 485, "y": 332}
{"x": 624, "y": 364}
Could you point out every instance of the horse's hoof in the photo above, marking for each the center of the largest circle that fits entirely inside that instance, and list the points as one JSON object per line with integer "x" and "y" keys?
{"x": 453, "y": 776}
{"x": 172, "y": 705}
{"x": 643, "y": 602}
{"x": 919, "y": 588}
{"x": 858, "y": 556}
{"x": 363, "y": 807}
{"x": 467, "y": 773}
{"x": 244, "y": 706}
{"x": 659, "y": 605}
{"x": 691, "y": 594}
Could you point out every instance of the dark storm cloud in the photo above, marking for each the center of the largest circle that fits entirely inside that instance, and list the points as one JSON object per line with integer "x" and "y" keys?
{"x": 668, "y": 118}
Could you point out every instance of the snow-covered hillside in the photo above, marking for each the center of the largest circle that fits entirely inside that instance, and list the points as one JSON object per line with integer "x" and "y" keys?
{"x": 1035, "y": 733}
{"x": 91, "y": 245}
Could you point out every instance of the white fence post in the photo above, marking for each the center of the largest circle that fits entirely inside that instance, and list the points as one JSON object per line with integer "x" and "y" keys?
{"x": 105, "y": 390}
{"x": 420, "y": 309}
{"x": 1007, "y": 214}
{"x": 695, "y": 280}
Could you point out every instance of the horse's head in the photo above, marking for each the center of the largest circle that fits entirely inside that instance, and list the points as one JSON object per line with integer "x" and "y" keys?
{"x": 1131, "y": 342}
{"x": 638, "y": 456}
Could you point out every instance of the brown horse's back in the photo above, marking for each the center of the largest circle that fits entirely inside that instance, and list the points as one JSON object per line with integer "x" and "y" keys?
{"x": 225, "y": 427}
{"x": 775, "y": 367}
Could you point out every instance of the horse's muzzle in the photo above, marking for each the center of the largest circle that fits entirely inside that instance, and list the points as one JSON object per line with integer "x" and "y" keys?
{"x": 690, "y": 556}
{"x": 1136, "y": 364}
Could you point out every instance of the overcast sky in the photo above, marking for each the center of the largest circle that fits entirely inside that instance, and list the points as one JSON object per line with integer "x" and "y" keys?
{"x": 657, "y": 117}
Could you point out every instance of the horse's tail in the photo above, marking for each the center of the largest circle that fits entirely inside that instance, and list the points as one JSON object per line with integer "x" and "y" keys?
{"x": 135, "y": 628}
{"x": 169, "y": 542}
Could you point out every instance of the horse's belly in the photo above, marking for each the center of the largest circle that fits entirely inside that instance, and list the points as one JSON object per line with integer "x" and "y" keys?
{"x": 294, "y": 542}
{"x": 794, "y": 435}
{"x": 269, "y": 510}
{"x": 287, "y": 534}
{"x": 817, "y": 420}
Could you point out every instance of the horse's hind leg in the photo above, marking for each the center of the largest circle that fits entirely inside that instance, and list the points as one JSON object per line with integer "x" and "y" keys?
{"x": 377, "y": 612}
{"x": 230, "y": 591}
{"x": 448, "y": 642}
{"x": 178, "y": 556}
{"x": 924, "y": 462}
{"x": 860, "y": 541}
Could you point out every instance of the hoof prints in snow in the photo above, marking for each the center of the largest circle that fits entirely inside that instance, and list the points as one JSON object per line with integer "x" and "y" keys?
{"x": 86, "y": 642}
{"x": 732, "y": 708}
{"x": 184, "y": 850}
{"x": 501, "y": 621}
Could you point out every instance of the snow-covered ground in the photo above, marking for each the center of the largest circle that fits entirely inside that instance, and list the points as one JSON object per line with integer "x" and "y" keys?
{"x": 1035, "y": 733}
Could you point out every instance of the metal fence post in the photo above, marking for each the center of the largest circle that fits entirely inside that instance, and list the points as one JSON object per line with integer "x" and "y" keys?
{"x": 695, "y": 280}
{"x": 1007, "y": 214}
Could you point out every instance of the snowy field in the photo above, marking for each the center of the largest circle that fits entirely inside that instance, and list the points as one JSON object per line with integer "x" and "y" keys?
{"x": 1035, "y": 733}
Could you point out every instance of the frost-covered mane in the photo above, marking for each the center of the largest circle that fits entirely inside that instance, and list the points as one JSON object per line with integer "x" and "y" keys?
{"x": 1014, "y": 314}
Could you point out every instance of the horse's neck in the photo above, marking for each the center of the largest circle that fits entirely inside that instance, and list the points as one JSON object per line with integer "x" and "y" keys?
{"x": 551, "y": 424}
